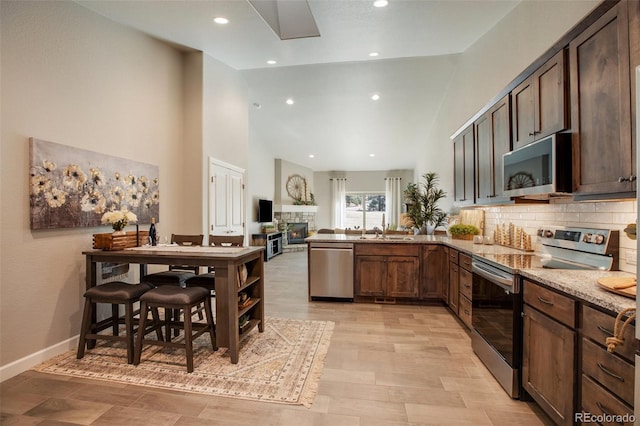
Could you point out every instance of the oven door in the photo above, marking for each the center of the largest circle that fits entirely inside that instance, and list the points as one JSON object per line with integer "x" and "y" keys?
{"x": 497, "y": 324}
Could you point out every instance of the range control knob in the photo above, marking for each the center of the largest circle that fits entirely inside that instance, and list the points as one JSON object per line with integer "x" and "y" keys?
{"x": 587, "y": 238}
{"x": 548, "y": 233}
{"x": 540, "y": 231}
{"x": 599, "y": 239}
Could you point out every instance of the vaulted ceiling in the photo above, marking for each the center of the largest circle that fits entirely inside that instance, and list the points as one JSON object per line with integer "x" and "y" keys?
{"x": 331, "y": 78}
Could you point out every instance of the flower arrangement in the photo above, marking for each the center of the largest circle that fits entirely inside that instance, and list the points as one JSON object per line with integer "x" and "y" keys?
{"x": 118, "y": 219}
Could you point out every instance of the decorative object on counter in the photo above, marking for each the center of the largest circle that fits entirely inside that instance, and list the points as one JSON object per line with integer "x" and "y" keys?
{"x": 119, "y": 242}
{"x": 618, "y": 330}
{"x": 461, "y": 231}
{"x": 472, "y": 217}
{"x": 512, "y": 236}
{"x": 630, "y": 230}
{"x": 422, "y": 204}
{"x": 295, "y": 349}
{"x": 71, "y": 187}
{"x": 624, "y": 286}
{"x": 118, "y": 219}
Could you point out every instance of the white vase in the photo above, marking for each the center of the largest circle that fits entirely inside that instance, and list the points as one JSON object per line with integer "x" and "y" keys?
{"x": 116, "y": 233}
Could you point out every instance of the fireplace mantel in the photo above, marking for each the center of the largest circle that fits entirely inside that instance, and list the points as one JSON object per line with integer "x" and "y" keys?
{"x": 293, "y": 208}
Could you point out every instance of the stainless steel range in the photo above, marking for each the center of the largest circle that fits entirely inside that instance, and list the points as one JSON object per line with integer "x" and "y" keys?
{"x": 497, "y": 299}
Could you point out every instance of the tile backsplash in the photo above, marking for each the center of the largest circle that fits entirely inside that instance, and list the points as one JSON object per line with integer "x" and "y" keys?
{"x": 614, "y": 215}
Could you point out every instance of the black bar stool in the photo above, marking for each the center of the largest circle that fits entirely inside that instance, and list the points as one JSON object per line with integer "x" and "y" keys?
{"x": 115, "y": 293}
{"x": 172, "y": 298}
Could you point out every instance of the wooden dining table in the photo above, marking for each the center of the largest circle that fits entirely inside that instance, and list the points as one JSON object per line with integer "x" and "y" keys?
{"x": 227, "y": 262}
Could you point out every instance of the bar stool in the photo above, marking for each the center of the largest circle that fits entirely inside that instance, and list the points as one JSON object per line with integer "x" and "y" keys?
{"x": 115, "y": 293}
{"x": 172, "y": 298}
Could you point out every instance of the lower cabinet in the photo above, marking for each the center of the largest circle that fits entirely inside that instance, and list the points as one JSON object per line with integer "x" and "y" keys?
{"x": 454, "y": 287}
{"x": 387, "y": 270}
{"x": 549, "y": 352}
{"x": 434, "y": 276}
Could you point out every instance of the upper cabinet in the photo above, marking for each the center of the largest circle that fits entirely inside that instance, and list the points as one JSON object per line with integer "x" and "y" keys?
{"x": 463, "y": 168}
{"x": 493, "y": 140}
{"x": 540, "y": 102}
{"x": 603, "y": 147}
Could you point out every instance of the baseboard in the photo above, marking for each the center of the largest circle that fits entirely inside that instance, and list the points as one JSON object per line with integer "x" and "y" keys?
{"x": 23, "y": 364}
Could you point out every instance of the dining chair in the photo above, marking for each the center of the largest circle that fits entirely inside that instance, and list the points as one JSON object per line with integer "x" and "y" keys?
{"x": 177, "y": 274}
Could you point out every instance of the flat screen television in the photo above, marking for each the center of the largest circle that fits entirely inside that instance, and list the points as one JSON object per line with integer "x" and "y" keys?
{"x": 265, "y": 211}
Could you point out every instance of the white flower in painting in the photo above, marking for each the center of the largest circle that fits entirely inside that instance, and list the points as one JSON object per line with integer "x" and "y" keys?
{"x": 117, "y": 177}
{"x": 96, "y": 176}
{"x": 155, "y": 197}
{"x": 48, "y": 166}
{"x": 39, "y": 184}
{"x": 155, "y": 181}
{"x": 74, "y": 177}
{"x": 130, "y": 180}
{"x": 148, "y": 203}
{"x": 133, "y": 197}
{"x": 93, "y": 201}
{"x": 55, "y": 198}
{"x": 143, "y": 184}
{"x": 116, "y": 194}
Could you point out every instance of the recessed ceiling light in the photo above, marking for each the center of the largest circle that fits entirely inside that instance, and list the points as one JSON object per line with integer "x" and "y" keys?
{"x": 372, "y": 155}
{"x": 373, "y": 54}
{"x": 380, "y": 3}
{"x": 271, "y": 62}
{"x": 289, "y": 101}
{"x": 311, "y": 156}
{"x": 220, "y": 20}
{"x": 375, "y": 97}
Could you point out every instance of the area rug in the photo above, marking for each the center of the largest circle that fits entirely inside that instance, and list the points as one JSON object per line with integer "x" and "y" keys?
{"x": 283, "y": 364}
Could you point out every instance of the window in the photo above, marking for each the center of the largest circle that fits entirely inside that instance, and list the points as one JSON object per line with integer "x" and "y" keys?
{"x": 364, "y": 210}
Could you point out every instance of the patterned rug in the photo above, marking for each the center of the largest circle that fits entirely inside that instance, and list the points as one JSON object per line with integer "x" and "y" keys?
{"x": 281, "y": 365}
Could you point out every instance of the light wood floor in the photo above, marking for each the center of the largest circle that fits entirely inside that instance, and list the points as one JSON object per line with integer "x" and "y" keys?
{"x": 387, "y": 365}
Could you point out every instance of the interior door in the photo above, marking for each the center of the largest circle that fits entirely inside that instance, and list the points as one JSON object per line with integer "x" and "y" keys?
{"x": 226, "y": 199}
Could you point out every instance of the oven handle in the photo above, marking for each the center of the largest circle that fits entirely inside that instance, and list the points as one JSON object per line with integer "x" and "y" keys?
{"x": 501, "y": 281}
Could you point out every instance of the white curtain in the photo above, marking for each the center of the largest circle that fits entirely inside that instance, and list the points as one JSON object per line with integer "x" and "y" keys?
{"x": 393, "y": 196}
{"x": 338, "y": 202}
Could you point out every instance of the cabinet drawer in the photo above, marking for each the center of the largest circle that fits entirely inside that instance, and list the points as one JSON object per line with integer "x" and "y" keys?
{"x": 465, "y": 261}
{"x": 453, "y": 256}
{"x": 597, "y": 326}
{"x": 464, "y": 310}
{"x": 385, "y": 249}
{"x": 597, "y": 401}
{"x": 466, "y": 279}
{"x": 609, "y": 370}
{"x": 557, "y": 306}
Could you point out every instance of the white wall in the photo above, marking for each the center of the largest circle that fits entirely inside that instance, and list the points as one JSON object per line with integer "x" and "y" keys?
{"x": 490, "y": 65}
{"x": 260, "y": 179}
{"x": 283, "y": 170}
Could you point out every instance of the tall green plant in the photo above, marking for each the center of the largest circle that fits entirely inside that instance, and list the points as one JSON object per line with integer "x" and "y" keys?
{"x": 422, "y": 202}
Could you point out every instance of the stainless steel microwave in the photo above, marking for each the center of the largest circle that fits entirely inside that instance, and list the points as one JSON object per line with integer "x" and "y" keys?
{"x": 540, "y": 168}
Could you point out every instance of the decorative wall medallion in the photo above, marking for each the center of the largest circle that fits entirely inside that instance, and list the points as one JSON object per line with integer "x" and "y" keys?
{"x": 296, "y": 187}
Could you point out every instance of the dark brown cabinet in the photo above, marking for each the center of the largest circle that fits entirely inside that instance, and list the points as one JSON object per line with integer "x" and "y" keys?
{"x": 434, "y": 272}
{"x": 387, "y": 270}
{"x": 603, "y": 147}
{"x": 454, "y": 280}
{"x": 549, "y": 351}
{"x": 493, "y": 140}
{"x": 464, "y": 168}
{"x": 540, "y": 102}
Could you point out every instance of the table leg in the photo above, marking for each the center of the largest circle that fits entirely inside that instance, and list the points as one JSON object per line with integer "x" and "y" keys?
{"x": 91, "y": 280}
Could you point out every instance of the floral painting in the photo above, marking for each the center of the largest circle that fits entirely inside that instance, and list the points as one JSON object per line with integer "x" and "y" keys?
{"x": 71, "y": 187}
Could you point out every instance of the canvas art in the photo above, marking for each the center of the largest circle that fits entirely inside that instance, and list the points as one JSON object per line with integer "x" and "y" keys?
{"x": 72, "y": 187}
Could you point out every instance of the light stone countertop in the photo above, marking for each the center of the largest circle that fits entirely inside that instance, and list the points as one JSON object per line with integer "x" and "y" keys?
{"x": 580, "y": 284}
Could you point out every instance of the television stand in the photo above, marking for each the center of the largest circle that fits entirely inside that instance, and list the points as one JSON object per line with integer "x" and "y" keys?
{"x": 271, "y": 241}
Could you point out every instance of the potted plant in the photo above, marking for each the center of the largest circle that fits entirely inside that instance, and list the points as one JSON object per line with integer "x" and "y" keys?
{"x": 422, "y": 203}
{"x": 461, "y": 231}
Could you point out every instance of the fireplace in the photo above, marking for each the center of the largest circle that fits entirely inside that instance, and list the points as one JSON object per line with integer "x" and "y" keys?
{"x": 298, "y": 233}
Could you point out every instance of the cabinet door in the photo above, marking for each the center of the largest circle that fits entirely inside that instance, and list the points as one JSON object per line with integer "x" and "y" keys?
{"x": 522, "y": 115}
{"x": 464, "y": 165}
{"x": 454, "y": 287}
{"x": 603, "y": 151}
{"x": 371, "y": 276}
{"x": 226, "y": 195}
{"x": 435, "y": 272}
{"x": 548, "y": 365}
{"x": 493, "y": 140}
{"x": 550, "y": 97}
{"x": 403, "y": 276}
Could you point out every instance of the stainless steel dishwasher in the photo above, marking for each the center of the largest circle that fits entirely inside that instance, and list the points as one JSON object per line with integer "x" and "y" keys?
{"x": 330, "y": 271}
